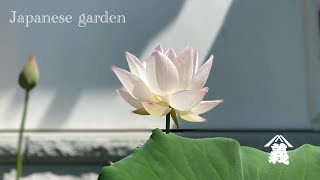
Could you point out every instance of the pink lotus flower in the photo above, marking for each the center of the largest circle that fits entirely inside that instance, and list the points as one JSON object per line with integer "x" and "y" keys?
{"x": 167, "y": 83}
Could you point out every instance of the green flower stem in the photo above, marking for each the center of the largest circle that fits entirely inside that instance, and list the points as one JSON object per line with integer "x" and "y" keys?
{"x": 167, "y": 123}
{"x": 19, "y": 154}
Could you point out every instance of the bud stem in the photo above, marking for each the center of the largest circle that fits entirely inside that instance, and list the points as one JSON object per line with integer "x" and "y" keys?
{"x": 21, "y": 130}
{"x": 167, "y": 123}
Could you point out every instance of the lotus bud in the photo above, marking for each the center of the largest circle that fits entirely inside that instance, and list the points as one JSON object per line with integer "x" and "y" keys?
{"x": 29, "y": 75}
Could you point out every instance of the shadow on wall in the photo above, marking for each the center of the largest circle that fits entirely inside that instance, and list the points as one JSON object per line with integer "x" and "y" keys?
{"x": 258, "y": 60}
{"x": 71, "y": 58}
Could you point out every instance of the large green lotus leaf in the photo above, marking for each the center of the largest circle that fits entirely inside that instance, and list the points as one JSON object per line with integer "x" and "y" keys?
{"x": 171, "y": 157}
{"x": 304, "y": 164}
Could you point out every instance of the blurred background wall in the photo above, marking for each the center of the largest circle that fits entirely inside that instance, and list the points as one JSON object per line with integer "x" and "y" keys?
{"x": 266, "y": 65}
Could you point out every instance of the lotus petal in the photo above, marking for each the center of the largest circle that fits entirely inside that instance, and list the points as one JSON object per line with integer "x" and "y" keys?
{"x": 171, "y": 54}
{"x": 193, "y": 118}
{"x": 136, "y": 103}
{"x": 159, "y": 48}
{"x": 141, "y": 111}
{"x": 161, "y": 74}
{"x": 205, "y": 106}
{"x": 184, "y": 63}
{"x": 144, "y": 64}
{"x": 187, "y": 99}
{"x": 195, "y": 61}
{"x": 201, "y": 77}
{"x": 134, "y": 85}
{"x": 135, "y": 65}
{"x": 156, "y": 109}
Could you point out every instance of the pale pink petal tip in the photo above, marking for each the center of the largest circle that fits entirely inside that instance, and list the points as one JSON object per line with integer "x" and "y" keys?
{"x": 189, "y": 47}
{"x": 153, "y": 54}
{"x": 169, "y": 50}
{"x": 127, "y": 53}
{"x": 158, "y": 52}
{"x": 205, "y": 89}
{"x": 211, "y": 58}
{"x": 159, "y": 48}
{"x": 113, "y": 67}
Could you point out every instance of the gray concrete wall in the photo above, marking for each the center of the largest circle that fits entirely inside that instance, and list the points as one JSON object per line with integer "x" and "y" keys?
{"x": 259, "y": 67}
{"x": 67, "y": 156}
